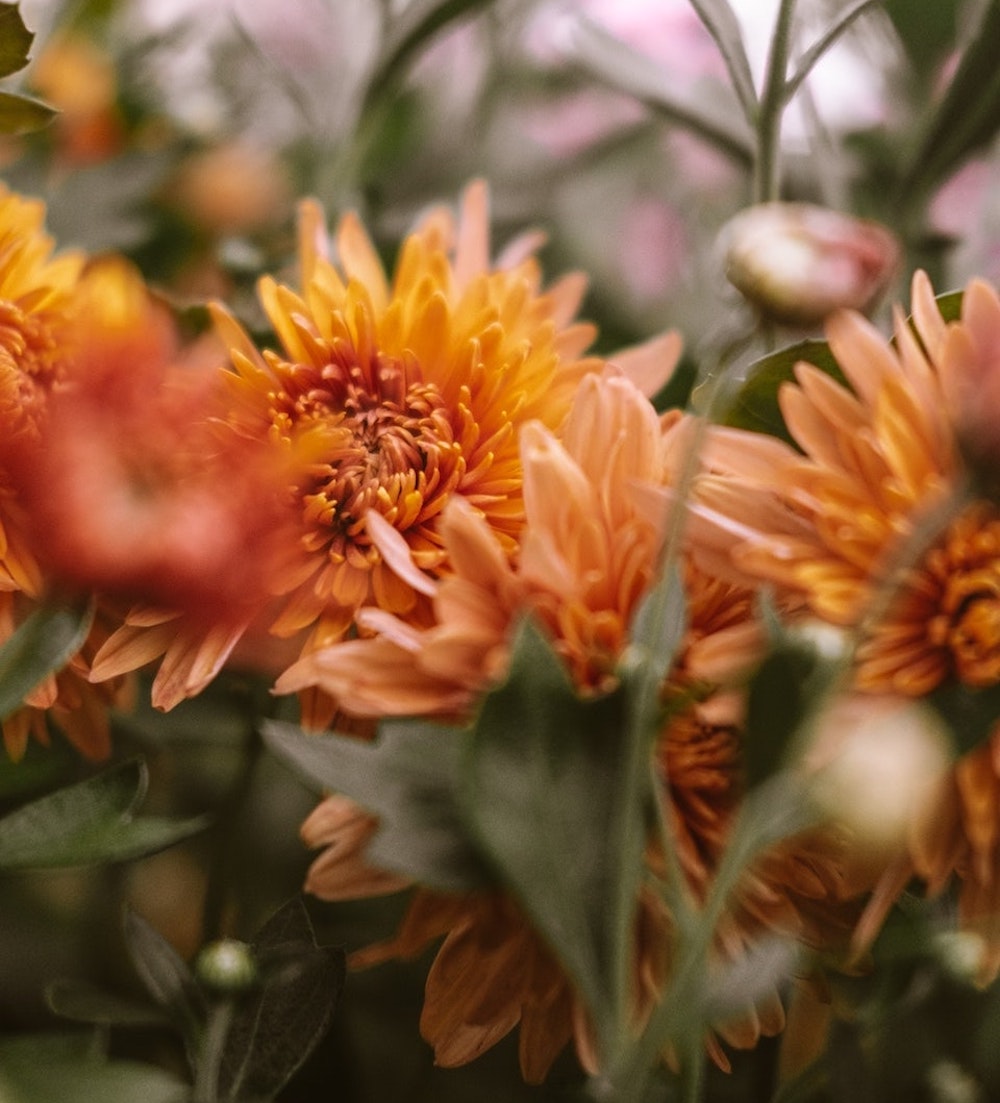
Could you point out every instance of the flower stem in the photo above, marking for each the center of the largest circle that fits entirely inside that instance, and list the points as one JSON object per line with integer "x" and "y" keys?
{"x": 767, "y": 176}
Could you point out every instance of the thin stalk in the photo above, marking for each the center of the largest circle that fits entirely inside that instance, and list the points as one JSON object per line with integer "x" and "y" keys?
{"x": 767, "y": 174}
{"x": 206, "y": 1084}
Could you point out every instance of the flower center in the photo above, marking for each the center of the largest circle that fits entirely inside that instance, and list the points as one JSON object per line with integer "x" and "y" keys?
{"x": 390, "y": 447}
{"x": 967, "y": 566}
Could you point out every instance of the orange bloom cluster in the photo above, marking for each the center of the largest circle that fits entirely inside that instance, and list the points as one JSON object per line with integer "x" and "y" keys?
{"x": 879, "y": 461}
{"x": 420, "y": 458}
{"x": 587, "y": 556}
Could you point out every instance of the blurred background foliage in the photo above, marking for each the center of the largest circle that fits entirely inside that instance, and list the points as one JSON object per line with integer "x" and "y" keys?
{"x": 185, "y": 131}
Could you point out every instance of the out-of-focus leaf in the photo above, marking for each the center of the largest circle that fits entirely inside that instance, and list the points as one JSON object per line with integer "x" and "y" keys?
{"x": 276, "y": 1028}
{"x": 927, "y": 31}
{"x": 86, "y": 1003}
{"x": 408, "y": 777}
{"x": 166, "y": 978}
{"x": 543, "y": 786}
{"x": 22, "y": 114}
{"x": 755, "y": 405}
{"x": 89, "y": 822}
{"x": 967, "y": 117}
{"x": 49, "y": 1068}
{"x": 970, "y": 714}
{"x": 44, "y": 643}
{"x": 721, "y": 23}
{"x": 620, "y": 67}
{"x": 408, "y": 32}
{"x": 764, "y": 967}
{"x": 15, "y": 40}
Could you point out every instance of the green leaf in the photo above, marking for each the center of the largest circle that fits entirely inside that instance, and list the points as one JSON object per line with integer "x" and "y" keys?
{"x": 409, "y": 31}
{"x": 786, "y": 693}
{"x": 84, "y": 1002}
{"x": 276, "y": 1028}
{"x": 620, "y": 67}
{"x": 755, "y": 405}
{"x": 966, "y": 118}
{"x": 43, "y": 644}
{"x": 409, "y": 778}
{"x": 46, "y": 1068}
{"x": 542, "y": 793}
{"x": 15, "y": 40}
{"x": 721, "y": 23}
{"x": 22, "y": 114}
{"x": 89, "y": 822}
{"x": 166, "y": 977}
{"x": 927, "y": 31}
{"x": 970, "y": 714}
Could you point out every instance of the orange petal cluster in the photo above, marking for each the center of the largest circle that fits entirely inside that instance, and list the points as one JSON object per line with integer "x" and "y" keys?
{"x": 587, "y": 556}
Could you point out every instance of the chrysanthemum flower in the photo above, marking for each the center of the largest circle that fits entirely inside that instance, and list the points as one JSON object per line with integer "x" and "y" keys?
{"x": 404, "y": 394}
{"x": 586, "y": 558}
{"x": 822, "y": 526}
{"x": 39, "y": 303}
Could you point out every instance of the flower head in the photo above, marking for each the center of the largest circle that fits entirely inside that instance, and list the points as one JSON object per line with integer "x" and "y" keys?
{"x": 587, "y": 557}
{"x": 402, "y": 394}
{"x": 879, "y": 459}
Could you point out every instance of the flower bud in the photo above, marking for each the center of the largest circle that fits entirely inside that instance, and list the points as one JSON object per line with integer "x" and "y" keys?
{"x": 797, "y": 263}
{"x": 227, "y": 967}
{"x": 876, "y": 765}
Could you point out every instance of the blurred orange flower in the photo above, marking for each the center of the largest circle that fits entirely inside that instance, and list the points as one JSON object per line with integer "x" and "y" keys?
{"x": 822, "y": 526}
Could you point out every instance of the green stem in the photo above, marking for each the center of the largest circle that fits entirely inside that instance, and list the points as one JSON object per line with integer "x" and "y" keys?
{"x": 206, "y": 1084}
{"x": 767, "y": 176}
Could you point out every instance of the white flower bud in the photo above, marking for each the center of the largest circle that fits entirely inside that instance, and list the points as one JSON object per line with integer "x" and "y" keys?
{"x": 227, "y": 967}
{"x": 876, "y": 766}
{"x": 797, "y": 263}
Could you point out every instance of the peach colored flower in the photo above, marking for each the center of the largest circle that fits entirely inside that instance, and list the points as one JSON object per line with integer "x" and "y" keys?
{"x": 822, "y": 525}
{"x": 587, "y": 556}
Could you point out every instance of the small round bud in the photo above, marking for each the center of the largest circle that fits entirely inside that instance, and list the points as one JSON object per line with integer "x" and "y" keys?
{"x": 798, "y": 263}
{"x": 876, "y": 767}
{"x": 227, "y": 967}
{"x": 961, "y": 953}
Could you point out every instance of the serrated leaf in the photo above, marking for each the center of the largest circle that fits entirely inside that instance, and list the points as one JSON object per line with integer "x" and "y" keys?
{"x": 15, "y": 40}
{"x": 45, "y": 1068}
{"x": 275, "y": 1029}
{"x": 408, "y": 777}
{"x": 43, "y": 644}
{"x": 619, "y": 66}
{"x": 542, "y": 788}
{"x": 84, "y": 1002}
{"x": 967, "y": 116}
{"x": 87, "y": 823}
{"x": 22, "y": 114}
{"x": 755, "y": 405}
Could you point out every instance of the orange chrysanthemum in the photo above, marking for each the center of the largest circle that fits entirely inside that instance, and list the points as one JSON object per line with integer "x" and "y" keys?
{"x": 405, "y": 394}
{"x": 823, "y": 526}
{"x": 586, "y": 558}
{"x": 39, "y": 307}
